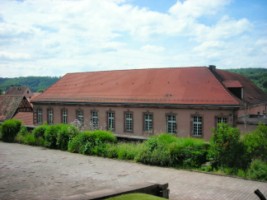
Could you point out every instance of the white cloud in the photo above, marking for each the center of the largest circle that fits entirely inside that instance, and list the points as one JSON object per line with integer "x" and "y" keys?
{"x": 152, "y": 48}
{"x": 197, "y": 8}
{"x": 14, "y": 56}
{"x": 56, "y": 37}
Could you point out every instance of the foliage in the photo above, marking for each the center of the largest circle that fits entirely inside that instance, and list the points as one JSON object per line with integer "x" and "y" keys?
{"x": 128, "y": 151}
{"x": 10, "y": 128}
{"x": 256, "y": 143}
{"x": 36, "y": 83}
{"x": 65, "y": 134}
{"x": 168, "y": 150}
{"x": 50, "y": 136}
{"x": 257, "y": 75}
{"x": 135, "y": 196}
{"x": 38, "y": 133}
{"x": 25, "y": 138}
{"x": 0, "y": 131}
{"x": 257, "y": 170}
{"x": 91, "y": 142}
{"x": 225, "y": 147}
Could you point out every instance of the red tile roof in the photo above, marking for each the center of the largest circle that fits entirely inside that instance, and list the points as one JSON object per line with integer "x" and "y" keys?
{"x": 193, "y": 85}
{"x": 25, "y": 117}
{"x": 252, "y": 94}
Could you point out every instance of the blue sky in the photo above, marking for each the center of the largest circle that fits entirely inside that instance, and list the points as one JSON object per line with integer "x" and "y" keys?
{"x": 52, "y": 38}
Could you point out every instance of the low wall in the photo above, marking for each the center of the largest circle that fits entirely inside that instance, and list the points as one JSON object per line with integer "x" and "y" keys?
{"x": 160, "y": 190}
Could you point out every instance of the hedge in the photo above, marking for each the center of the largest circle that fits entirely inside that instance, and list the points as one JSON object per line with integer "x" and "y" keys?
{"x": 10, "y": 129}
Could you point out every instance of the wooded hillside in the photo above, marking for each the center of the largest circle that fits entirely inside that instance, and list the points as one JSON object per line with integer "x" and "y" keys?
{"x": 256, "y": 75}
{"x": 35, "y": 83}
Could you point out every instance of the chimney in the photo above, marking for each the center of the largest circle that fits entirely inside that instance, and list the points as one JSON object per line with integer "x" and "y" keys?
{"x": 212, "y": 68}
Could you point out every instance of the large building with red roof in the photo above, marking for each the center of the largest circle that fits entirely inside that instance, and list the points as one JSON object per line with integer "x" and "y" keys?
{"x": 187, "y": 102}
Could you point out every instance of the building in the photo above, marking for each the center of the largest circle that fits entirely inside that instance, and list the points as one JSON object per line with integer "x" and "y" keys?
{"x": 253, "y": 106}
{"x": 15, "y": 103}
{"x": 16, "y": 106}
{"x": 187, "y": 102}
{"x": 19, "y": 91}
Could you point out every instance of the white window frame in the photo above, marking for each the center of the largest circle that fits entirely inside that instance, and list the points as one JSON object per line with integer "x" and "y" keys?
{"x": 111, "y": 120}
{"x": 128, "y": 121}
{"x": 94, "y": 119}
{"x": 197, "y": 126}
{"x": 64, "y": 115}
{"x": 171, "y": 123}
{"x": 148, "y": 121}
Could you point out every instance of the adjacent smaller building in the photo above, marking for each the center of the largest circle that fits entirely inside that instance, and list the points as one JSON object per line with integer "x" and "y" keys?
{"x": 15, "y": 104}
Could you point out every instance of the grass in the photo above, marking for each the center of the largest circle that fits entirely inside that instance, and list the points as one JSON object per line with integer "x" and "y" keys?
{"x": 136, "y": 196}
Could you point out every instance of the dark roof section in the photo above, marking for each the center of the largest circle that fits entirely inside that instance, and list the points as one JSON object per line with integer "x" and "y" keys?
{"x": 9, "y": 105}
{"x": 251, "y": 93}
{"x": 179, "y": 86}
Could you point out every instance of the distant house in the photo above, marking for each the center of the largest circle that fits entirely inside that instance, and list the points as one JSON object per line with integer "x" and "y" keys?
{"x": 20, "y": 91}
{"x": 187, "y": 102}
{"x": 15, "y": 104}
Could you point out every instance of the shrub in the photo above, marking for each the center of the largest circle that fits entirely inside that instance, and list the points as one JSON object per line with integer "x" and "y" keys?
{"x": 21, "y": 134}
{"x": 77, "y": 144}
{"x": 128, "y": 151}
{"x": 257, "y": 170}
{"x": 256, "y": 143}
{"x": 168, "y": 150}
{"x": 38, "y": 134}
{"x": 92, "y": 143}
{"x": 65, "y": 134}
{"x": 10, "y": 129}
{"x": 50, "y": 136}
{"x": 225, "y": 148}
{"x": 0, "y": 131}
{"x": 189, "y": 152}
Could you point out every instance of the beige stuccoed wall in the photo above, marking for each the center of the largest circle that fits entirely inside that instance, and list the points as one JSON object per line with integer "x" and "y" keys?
{"x": 183, "y": 118}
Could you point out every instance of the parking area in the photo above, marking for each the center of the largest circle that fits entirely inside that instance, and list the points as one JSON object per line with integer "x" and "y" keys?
{"x": 28, "y": 172}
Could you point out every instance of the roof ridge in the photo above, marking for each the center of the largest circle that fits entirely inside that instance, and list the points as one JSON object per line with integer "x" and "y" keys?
{"x": 137, "y": 69}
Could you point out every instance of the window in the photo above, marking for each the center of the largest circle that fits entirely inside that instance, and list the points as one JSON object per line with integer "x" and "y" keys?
{"x": 111, "y": 121}
{"x": 128, "y": 122}
{"x": 64, "y": 116}
{"x": 50, "y": 116}
{"x": 39, "y": 113}
{"x": 79, "y": 116}
{"x": 221, "y": 120}
{"x": 94, "y": 120}
{"x": 171, "y": 123}
{"x": 197, "y": 126}
{"x": 148, "y": 122}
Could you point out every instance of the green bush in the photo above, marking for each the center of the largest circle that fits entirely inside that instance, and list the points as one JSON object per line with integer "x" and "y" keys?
{"x": 168, "y": 150}
{"x": 50, "y": 136}
{"x": 225, "y": 148}
{"x": 91, "y": 143}
{"x": 38, "y": 133}
{"x": 65, "y": 134}
{"x": 256, "y": 143}
{"x": 21, "y": 135}
{"x": 189, "y": 152}
{"x": 128, "y": 151}
{"x": 10, "y": 129}
{"x": 257, "y": 170}
{"x": 77, "y": 144}
{"x": 0, "y": 131}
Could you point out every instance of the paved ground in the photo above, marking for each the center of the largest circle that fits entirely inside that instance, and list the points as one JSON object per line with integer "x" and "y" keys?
{"x": 36, "y": 173}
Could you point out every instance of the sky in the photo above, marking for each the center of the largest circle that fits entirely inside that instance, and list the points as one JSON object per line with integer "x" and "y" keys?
{"x": 55, "y": 37}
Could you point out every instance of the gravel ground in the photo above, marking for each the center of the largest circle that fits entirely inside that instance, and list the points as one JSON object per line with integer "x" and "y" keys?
{"x": 37, "y": 173}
